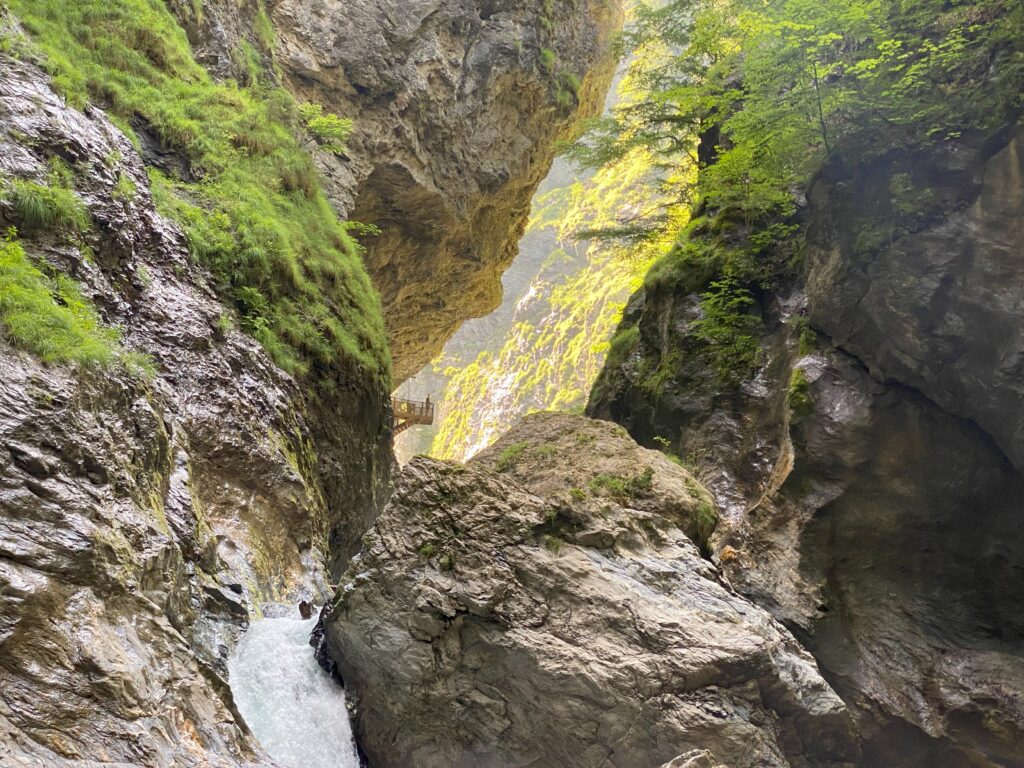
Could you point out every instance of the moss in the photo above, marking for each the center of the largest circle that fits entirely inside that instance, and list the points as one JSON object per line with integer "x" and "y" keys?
{"x": 807, "y": 339}
{"x": 259, "y": 220}
{"x": 798, "y": 397}
{"x": 509, "y": 457}
{"x": 577, "y": 494}
{"x": 567, "y": 90}
{"x": 547, "y": 60}
{"x": 623, "y": 343}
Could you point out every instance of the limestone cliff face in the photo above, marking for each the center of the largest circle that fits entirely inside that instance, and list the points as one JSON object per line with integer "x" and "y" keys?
{"x": 457, "y": 106}
{"x": 543, "y": 605}
{"x": 869, "y": 474}
{"x": 141, "y": 523}
{"x": 937, "y": 308}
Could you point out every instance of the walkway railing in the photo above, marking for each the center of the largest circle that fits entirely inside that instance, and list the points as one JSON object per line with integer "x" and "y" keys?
{"x": 405, "y": 413}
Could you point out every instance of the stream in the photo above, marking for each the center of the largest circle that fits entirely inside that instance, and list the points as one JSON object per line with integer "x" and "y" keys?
{"x": 294, "y": 708}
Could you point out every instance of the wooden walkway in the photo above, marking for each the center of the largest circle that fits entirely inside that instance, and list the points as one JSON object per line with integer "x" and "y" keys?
{"x": 405, "y": 413}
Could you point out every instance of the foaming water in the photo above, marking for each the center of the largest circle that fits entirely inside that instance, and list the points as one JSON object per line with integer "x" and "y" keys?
{"x": 294, "y": 708}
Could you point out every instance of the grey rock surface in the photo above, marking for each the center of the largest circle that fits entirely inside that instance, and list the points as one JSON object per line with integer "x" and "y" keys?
{"x": 937, "y": 305}
{"x": 143, "y": 522}
{"x": 883, "y": 525}
{"x": 496, "y": 616}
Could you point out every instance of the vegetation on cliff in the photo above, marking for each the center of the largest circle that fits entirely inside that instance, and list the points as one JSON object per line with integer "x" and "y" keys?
{"x": 757, "y": 95}
{"x": 247, "y": 196}
{"x": 556, "y": 343}
{"x": 47, "y": 315}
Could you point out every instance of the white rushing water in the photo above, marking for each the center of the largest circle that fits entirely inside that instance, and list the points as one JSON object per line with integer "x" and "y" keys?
{"x": 294, "y": 708}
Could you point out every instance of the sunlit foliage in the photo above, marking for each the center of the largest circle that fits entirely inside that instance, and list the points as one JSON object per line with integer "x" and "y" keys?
{"x": 757, "y": 95}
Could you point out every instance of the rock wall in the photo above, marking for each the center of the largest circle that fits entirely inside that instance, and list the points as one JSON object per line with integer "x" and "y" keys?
{"x": 142, "y": 522}
{"x": 543, "y": 605}
{"x": 457, "y": 106}
{"x": 868, "y": 476}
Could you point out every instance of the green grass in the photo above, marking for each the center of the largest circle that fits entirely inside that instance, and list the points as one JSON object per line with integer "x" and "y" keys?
{"x": 51, "y": 206}
{"x": 798, "y": 398}
{"x": 508, "y": 458}
{"x": 610, "y": 485}
{"x": 622, "y": 489}
{"x": 49, "y": 316}
{"x": 257, "y": 218}
{"x": 547, "y": 60}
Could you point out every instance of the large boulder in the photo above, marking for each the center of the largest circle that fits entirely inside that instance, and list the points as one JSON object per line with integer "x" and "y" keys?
{"x": 543, "y": 606}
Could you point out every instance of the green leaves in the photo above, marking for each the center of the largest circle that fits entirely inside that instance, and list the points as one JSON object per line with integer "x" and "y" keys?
{"x": 330, "y": 131}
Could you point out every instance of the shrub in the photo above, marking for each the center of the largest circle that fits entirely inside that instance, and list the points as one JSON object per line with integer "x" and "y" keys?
{"x": 427, "y": 550}
{"x": 642, "y": 483}
{"x": 729, "y": 331}
{"x": 330, "y": 131}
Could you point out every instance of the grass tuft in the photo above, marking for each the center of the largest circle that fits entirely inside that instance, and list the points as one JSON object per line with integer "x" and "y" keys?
{"x": 49, "y": 316}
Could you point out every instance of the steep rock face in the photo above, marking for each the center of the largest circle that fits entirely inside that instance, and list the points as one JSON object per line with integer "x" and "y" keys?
{"x": 857, "y": 503}
{"x": 938, "y": 309}
{"x": 457, "y": 105}
{"x": 500, "y": 614}
{"x": 141, "y": 522}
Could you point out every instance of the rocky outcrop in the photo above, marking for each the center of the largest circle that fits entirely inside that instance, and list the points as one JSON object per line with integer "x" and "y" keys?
{"x": 543, "y": 606}
{"x": 866, "y": 475}
{"x": 932, "y": 301}
{"x": 142, "y": 521}
{"x": 457, "y": 106}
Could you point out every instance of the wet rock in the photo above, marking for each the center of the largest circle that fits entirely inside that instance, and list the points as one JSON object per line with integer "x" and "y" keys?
{"x": 494, "y": 617}
{"x": 142, "y": 521}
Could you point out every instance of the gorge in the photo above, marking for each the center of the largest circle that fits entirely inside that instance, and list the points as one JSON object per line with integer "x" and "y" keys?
{"x": 767, "y": 512}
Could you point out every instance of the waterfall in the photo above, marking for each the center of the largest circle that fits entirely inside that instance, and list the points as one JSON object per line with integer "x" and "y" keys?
{"x": 294, "y": 708}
